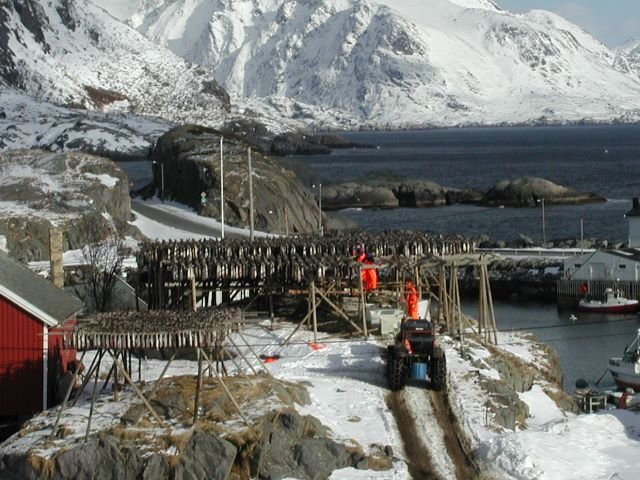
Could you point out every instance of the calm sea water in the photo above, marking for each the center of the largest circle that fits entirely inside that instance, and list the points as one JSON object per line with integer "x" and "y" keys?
{"x": 583, "y": 345}
{"x": 600, "y": 159}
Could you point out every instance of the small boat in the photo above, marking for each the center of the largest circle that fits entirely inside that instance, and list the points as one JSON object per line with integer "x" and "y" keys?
{"x": 625, "y": 370}
{"x": 614, "y": 302}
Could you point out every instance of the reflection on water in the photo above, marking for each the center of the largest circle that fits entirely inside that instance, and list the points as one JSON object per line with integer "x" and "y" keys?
{"x": 584, "y": 345}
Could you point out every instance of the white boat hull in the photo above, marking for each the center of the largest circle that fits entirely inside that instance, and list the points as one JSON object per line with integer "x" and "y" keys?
{"x": 625, "y": 373}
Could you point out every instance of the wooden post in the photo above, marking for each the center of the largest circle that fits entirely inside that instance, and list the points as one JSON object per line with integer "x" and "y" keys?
{"x": 115, "y": 378}
{"x": 313, "y": 310}
{"x": 251, "y": 221}
{"x": 136, "y": 389}
{"x": 271, "y": 311}
{"x": 164, "y": 370}
{"x": 89, "y": 373}
{"x": 492, "y": 314}
{"x": 93, "y": 400}
{"x": 337, "y": 310}
{"x": 456, "y": 306}
{"x": 481, "y": 302}
{"x": 286, "y": 220}
{"x": 363, "y": 310}
{"x": 194, "y": 299}
{"x": 242, "y": 355}
{"x": 228, "y": 392}
{"x": 55, "y": 255}
{"x": 66, "y": 398}
{"x": 254, "y": 353}
{"x": 443, "y": 314}
{"x": 196, "y": 402}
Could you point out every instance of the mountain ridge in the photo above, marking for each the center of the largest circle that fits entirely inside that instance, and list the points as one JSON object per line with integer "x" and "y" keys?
{"x": 398, "y": 63}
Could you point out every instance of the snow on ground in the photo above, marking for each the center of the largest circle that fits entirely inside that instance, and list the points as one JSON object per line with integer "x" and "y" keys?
{"x": 555, "y": 444}
{"x": 345, "y": 383}
{"x": 155, "y": 230}
{"x": 347, "y": 386}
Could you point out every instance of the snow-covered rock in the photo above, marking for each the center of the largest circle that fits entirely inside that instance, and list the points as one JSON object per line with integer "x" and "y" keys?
{"x": 26, "y": 122}
{"x": 396, "y": 63}
{"x": 85, "y": 195}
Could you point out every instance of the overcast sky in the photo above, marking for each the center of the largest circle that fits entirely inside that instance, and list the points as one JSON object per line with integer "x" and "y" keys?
{"x": 611, "y": 21}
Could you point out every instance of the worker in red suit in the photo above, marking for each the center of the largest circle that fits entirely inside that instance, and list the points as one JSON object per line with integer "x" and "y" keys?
{"x": 411, "y": 297}
{"x": 370, "y": 277}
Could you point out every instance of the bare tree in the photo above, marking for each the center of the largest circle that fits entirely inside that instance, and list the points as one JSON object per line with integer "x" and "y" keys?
{"x": 103, "y": 259}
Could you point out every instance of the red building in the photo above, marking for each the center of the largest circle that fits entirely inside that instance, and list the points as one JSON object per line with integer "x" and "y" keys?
{"x": 33, "y": 313}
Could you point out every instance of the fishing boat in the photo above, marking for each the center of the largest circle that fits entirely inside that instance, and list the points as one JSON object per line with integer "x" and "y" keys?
{"x": 614, "y": 302}
{"x": 626, "y": 369}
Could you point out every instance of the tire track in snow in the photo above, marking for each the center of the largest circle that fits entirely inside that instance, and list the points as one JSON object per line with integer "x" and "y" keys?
{"x": 430, "y": 439}
{"x": 416, "y": 453}
{"x": 429, "y": 431}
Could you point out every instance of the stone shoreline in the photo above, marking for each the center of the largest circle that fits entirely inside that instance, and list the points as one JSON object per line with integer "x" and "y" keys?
{"x": 393, "y": 193}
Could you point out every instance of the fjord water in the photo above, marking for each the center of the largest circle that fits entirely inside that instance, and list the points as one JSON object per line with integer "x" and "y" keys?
{"x": 584, "y": 342}
{"x": 603, "y": 159}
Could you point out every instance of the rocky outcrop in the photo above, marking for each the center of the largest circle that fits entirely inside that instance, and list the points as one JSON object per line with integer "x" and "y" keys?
{"x": 293, "y": 446}
{"x": 353, "y": 195}
{"x": 390, "y": 193}
{"x": 105, "y": 456}
{"x": 187, "y": 164}
{"x": 84, "y": 195}
{"x": 284, "y": 444}
{"x": 514, "y": 375}
{"x": 523, "y": 192}
{"x": 530, "y": 191}
{"x": 256, "y": 134}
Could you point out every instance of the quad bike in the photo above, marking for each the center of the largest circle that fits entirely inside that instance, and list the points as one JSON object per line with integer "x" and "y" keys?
{"x": 416, "y": 355}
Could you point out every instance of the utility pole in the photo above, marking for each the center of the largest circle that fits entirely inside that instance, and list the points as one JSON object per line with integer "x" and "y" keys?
{"x": 155, "y": 162}
{"x": 581, "y": 236}
{"x": 320, "y": 212}
{"x": 221, "y": 191}
{"x": 250, "y": 195}
{"x": 162, "y": 180}
{"x": 319, "y": 207}
{"x": 544, "y": 234}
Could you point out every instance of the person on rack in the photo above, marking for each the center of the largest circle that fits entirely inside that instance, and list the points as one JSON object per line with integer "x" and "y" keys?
{"x": 411, "y": 298}
{"x": 370, "y": 277}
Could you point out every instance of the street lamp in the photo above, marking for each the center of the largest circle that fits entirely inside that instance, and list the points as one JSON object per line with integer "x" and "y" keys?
{"x": 276, "y": 223}
{"x": 155, "y": 162}
{"x": 319, "y": 207}
{"x": 544, "y": 233}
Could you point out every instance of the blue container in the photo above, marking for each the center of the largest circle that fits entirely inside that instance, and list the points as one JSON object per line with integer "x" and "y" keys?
{"x": 419, "y": 371}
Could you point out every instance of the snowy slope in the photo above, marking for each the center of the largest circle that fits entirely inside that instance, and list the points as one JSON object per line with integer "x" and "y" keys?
{"x": 71, "y": 52}
{"x": 29, "y": 123}
{"x": 628, "y": 57}
{"x": 396, "y": 62}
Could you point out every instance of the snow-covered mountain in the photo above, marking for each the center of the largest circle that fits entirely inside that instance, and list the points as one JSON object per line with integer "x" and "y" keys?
{"x": 394, "y": 62}
{"x": 71, "y": 52}
{"x": 628, "y": 57}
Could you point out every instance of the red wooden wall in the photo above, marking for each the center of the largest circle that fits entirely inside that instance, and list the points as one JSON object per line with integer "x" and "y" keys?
{"x": 21, "y": 342}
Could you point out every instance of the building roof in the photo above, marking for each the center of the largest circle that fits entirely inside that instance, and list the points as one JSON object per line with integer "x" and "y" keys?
{"x": 631, "y": 254}
{"x": 635, "y": 209}
{"x": 36, "y": 295}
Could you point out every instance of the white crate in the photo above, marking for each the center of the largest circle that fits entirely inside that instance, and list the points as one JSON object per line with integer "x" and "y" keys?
{"x": 375, "y": 314}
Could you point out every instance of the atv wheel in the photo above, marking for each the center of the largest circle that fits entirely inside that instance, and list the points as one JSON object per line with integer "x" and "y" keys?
{"x": 396, "y": 371}
{"x": 438, "y": 369}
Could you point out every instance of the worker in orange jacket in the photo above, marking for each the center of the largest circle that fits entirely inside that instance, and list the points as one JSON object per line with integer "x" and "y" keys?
{"x": 370, "y": 277}
{"x": 411, "y": 297}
